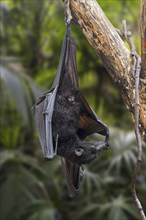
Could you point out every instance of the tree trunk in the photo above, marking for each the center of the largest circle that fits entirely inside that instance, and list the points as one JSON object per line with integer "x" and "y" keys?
{"x": 143, "y": 38}
{"x": 117, "y": 59}
{"x": 143, "y": 64}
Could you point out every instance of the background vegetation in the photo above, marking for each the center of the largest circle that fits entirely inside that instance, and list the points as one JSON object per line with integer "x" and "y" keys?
{"x": 32, "y": 32}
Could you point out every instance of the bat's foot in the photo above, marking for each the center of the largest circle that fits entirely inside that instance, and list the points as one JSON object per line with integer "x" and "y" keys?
{"x": 101, "y": 145}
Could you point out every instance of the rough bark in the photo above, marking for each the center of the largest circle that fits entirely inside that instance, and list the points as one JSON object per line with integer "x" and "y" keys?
{"x": 143, "y": 38}
{"x": 117, "y": 59}
{"x": 143, "y": 65}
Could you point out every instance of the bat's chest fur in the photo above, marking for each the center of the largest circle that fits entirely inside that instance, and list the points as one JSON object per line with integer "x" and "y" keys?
{"x": 65, "y": 123}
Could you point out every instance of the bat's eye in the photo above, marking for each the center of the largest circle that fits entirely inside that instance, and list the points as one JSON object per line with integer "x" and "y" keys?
{"x": 79, "y": 151}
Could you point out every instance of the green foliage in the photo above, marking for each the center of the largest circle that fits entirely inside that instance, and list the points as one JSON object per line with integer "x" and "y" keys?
{"x": 127, "y": 10}
{"x": 22, "y": 193}
{"x": 18, "y": 95}
{"x": 40, "y": 188}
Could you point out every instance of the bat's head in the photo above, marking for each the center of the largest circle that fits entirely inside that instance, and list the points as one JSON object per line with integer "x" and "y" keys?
{"x": 86, "y": 152}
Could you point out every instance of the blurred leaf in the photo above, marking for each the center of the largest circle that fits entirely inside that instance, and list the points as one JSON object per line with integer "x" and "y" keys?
{"x": 21, "y": 89}
{"x": 19, "y": 184}
{"x": 44, "y": 214}
{"x": 118, "y": 209}
{"x": 124, "y": 150}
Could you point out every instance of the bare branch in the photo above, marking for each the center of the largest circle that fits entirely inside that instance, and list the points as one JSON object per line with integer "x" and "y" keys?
{"x": 136, "y": 73}
{"x": 138, "y": 138}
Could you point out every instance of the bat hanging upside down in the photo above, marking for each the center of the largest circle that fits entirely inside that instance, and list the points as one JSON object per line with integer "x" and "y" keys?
{"x": 64, "y": 119}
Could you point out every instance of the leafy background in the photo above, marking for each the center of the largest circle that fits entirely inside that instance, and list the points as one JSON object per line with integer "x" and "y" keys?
{"x": 32, "y": 32}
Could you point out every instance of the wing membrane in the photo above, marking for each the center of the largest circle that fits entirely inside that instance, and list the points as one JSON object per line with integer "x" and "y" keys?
{"x": 73, "y": 176}
{"x": 43, "y": 115}
{"x": 90, "y": 122}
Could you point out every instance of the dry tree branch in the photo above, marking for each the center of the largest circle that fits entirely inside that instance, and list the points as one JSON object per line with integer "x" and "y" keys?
{"x": 138, "y": 138}
{"x": 136, "y": 69}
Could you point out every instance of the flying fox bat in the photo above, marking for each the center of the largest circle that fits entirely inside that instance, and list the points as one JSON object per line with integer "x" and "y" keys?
{"x": 64, "y": 119}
